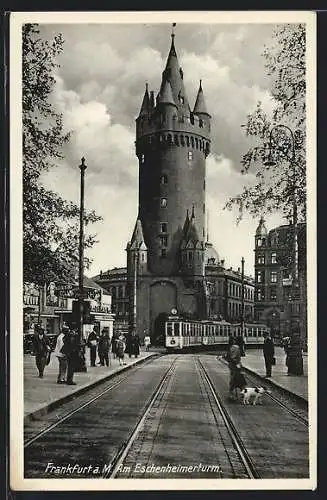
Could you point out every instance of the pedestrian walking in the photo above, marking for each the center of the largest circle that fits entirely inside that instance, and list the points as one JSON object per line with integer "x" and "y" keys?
{"x": 71, "y": 351}
{"x": 92, "y": 343}
{"x": 234, "y": 363}
{"x": 114, "y": 345}
{"x": 120, "y": 349}
{"x": 41, "y": 349}
{"x": 62, "y": 359}
{"x": 268, "y": 353}
{"x": 103, "y": 348}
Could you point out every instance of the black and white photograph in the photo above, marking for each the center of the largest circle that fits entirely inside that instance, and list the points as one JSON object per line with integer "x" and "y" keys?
{"x": 163, "y": 251}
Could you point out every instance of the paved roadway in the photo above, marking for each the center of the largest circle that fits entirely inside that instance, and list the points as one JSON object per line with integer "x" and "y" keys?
{"x": 182, "y": 428}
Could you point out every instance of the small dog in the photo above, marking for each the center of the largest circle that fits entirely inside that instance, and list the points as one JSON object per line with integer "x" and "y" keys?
{"x": 253, "y": 394}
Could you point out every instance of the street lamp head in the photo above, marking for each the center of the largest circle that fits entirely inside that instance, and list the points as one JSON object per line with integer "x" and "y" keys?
{"x": 82, "y": 165}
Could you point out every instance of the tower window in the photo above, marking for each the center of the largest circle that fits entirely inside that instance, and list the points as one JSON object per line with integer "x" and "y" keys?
{"x": 163, "y": 202}
{"x": 201, "y": 123}
{"x": 204, "y": 184}
{"x": 164, "y": 179}
{"x": 176, "y": 139}
{"x": 190, "y": 255}
{"x": 274, "y": 258}
{"x": 196, "y": 143}
{"x": 163, "y": 253}
{"x": 142, "y": 158}
{"x": 259, "y": 242}
{"x": 204, "y": 207}
{"x": 163, "y": 240}
{"x": 190, "y": 155}
{"x": 273, "y": 293}
{"x": 163, "y": 227}
{"x": 187, "y": 140}
{"x": 192, "y": 142}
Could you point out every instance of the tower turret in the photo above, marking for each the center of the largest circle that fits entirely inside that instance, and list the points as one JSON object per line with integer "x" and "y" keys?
{"x": 172, "y": 144}
{"x": 192, "y": 250}
{"x": 200, "y": 108}
{"x": 261, "y": 234}
{"x": 137, "y": 250}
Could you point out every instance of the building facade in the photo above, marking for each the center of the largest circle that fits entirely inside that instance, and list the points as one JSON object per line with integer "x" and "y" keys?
{"x": 51, "y": 306}
{"x": 274, "y": 293}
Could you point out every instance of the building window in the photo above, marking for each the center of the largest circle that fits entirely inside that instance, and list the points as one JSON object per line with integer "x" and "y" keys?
{"x": 273, "y": 293}
{"x": 142, "y": 158}
{"x": 274, "y": 258}
{"x": 261, "y": 259}
{"x": 163, "y": 227}
{"x": 259, "y": 276}
{"x": 164, "y": 179}
{"x": 163, "y": 202}
{"x": 260, "y": 294}
{"x": 190, "y": 155}
{"x": 163, "y": 253}
{"x": 204, "y": 208}
{"x": 190, "y": 255}
{"x": 113, "y": 292}
{"x": 142, "y": 257}
{"x": 259, "y": 242}
{"x": 273, "y": 276}
{"x": 163, "y": 240}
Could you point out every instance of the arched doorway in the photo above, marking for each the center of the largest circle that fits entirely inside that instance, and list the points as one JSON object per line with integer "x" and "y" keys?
{"x": 163, "y": 298}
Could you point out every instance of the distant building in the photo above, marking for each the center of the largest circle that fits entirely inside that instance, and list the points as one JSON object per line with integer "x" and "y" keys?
{"x": 51, "y": 306}
{"x": 273, "y": 278}
{"x": 115, "y": 282}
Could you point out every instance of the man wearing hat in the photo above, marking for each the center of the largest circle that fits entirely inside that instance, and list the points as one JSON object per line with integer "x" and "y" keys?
{"x": 41, "y": 349}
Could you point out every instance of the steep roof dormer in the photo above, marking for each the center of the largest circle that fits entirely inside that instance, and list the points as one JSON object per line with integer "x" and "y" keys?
{"x": 137, "y": 241}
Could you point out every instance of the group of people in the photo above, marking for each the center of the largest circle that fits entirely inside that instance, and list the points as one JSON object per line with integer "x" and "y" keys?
{"x": 66, "y": 350}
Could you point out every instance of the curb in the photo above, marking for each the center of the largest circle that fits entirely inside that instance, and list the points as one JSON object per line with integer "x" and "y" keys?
{"x": 35, "y": 415}
{"x": 299, "y": 398}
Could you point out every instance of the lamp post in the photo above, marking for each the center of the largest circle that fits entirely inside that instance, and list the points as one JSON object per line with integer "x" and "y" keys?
{"x": 82, "y": 365}
{"x": 295, "y": 360}
{"x": 242, "y": 298}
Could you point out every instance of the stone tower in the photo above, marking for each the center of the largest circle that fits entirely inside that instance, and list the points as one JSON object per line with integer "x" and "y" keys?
{"x": 166, "y": 253}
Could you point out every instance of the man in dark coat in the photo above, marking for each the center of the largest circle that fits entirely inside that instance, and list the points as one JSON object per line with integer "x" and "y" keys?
{"x": 103, "y": 347}
{"x": 268, "y": 353}
{"x": 240, "y": 342}
{"x": 136, "y": 345}
{"x": 71, "y": 351}
{"x": 92, "y": 343}
{"x": 41, "y": 349}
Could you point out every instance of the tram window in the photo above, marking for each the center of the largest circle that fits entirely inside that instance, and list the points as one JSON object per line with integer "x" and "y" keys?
{"x": 176, "y": 328}
{"x": 169, "y": 329}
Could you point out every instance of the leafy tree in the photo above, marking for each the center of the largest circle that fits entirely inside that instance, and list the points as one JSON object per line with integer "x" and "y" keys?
{"x": 280, "y": 137}
{"x": 50, "y": 223}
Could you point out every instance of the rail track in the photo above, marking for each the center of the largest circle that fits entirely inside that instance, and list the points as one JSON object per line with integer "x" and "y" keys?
{"x": 118, "y": 379}
{"x": 240, "y": 460}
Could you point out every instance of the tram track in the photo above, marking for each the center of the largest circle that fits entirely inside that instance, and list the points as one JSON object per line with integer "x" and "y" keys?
{"x": 241, "y": 465}
{"x": 115, "y": 381}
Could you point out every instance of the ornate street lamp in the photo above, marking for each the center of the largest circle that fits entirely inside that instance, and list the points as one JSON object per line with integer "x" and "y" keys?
{"x": 295, "y": 360}
{"x": 82, "y": 364}
{"x": 242, "y": 299}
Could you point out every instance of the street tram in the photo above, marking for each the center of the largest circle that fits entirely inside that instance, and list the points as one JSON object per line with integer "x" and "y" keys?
{"x": 182, "y": 334}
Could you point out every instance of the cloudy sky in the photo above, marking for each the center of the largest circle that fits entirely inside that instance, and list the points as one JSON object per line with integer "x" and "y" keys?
{"x": 99, "y": 90}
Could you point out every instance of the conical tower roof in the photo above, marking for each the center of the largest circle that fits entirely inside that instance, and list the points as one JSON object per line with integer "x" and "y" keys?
{"x": 261, "y": 229}
{"x": 137, "y": 238}
{"x": 173, "y": 74}
{"x": 200, "y": 104}
{"x": 145, "y": 107}
{"x": 166, "y": 96}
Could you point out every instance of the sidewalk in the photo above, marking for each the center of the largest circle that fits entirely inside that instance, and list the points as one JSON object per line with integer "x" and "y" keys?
{"x": 41, "y": 394}
{"x": 254, "y": 361}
